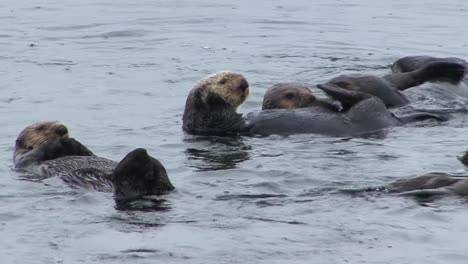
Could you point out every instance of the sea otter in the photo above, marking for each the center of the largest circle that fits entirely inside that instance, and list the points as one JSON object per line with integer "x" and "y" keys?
{"x": 389, "y": 88}
{"x": 455, "y": 95}
{"x": 45, "y": 149}
{"x": 295, "y": 95}
{"x": 211, "y": 110}
{"x": 413, "y": 63}
{"x": 431, "y": 184}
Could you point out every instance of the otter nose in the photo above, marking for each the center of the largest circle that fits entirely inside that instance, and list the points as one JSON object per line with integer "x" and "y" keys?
{"x": 61, "y": 130}
{"x": 244, "y": 85}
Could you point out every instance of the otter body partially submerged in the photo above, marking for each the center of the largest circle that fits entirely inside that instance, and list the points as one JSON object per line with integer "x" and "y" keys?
{"x": 364, "y": 110}
{"x": 45, "y": 149}
{"x": 360, "y": 113}
{"x": 413, "y": 63}
{"x": 390, "y": 88}
{"x": 427, "y": 186}
{"x": 455, "y": 94}
{"x": 211, "y": 110}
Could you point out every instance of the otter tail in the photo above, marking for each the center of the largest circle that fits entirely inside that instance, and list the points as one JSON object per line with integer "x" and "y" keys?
{"x": 139, "y": 175}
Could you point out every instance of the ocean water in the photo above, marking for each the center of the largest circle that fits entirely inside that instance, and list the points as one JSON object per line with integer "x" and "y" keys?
{"x": 118, "y": 73}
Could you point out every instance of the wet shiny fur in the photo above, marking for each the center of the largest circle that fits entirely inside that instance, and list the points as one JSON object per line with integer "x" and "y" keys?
{"x": 45, "y": 150}
{"x": 389, "y": 88}
{"x": 294, "y": 95}
{"x": 208, "y": 113}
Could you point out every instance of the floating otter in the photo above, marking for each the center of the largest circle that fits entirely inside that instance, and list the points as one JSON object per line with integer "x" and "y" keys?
{"x": 413, "y": 63}
{"x": 45, "y": 149}
{"x": 294, "y": 95}
{"x": 389, "y": 88}
{"x": 431, "y": 184}
{"x": 211, "y": 110}
{"x": 455, "y": 95}
{"x": 427, "y": 186}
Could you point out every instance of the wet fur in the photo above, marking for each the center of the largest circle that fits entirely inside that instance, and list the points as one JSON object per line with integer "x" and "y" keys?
{"x": 294, "y": 95}
{"x": 427, "y": 186}
{"x": 50, "y": 152}
{"x": 209, "y": 113}
{"x": 34, "y": 135}
{"x": 362, "y": 114}
{"x": 389, "y": 87}
{"x": 211, "y": 105}
{"x": 412, "y": 63}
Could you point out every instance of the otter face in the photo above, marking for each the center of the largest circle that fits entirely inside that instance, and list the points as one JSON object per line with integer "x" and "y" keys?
{"x": 288, "y": 95}
{"x": 37, "y": 134}
{"x": 230, "y": 86}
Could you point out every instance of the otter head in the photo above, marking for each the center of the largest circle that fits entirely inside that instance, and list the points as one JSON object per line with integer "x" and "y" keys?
{"x": 138, "y": 175}
{"x": 45, "y": 141}
{"x": 231, "y": 87}
{"x": 288, "y": 95}
{"x": 212, "y": 103}
{"x": 39, "y": 133}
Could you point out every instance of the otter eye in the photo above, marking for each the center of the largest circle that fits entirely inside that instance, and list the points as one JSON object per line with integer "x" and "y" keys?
{"x": 289, "y": 95}
{"x": 222, "y": 81}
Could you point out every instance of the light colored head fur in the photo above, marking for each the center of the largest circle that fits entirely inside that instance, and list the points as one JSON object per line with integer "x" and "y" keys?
{"x": 288, "y": 96}
{"x": 36, "y": 134}
{"x": 230, "y": 86}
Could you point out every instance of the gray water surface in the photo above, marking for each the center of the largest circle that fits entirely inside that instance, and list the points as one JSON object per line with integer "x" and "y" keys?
{"x": 118, "y": 72}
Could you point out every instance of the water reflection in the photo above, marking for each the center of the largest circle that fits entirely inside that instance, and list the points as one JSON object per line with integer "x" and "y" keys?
{"x": 144, "y": 204}
{"x": 216, "y": 153}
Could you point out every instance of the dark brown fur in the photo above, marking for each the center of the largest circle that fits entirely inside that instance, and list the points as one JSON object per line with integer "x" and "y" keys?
{"x": 44, "y": 150}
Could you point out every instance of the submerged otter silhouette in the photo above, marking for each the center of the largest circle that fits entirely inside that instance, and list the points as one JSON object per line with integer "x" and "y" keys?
{"x": 427, "y": 186}
{"x": 45, "y": 149}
